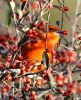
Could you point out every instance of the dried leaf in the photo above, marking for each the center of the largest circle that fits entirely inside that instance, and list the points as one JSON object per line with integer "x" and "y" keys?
{"x": 45, "y": 59}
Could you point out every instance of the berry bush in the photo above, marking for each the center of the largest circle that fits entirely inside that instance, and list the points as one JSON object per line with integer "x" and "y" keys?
{"x": 38, "y": 61}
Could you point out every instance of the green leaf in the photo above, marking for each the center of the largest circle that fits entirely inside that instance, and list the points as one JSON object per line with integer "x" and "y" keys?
{"x": 45, "y": 59}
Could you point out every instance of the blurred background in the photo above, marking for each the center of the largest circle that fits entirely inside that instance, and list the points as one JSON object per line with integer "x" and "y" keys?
{"x": 55, "y": 15}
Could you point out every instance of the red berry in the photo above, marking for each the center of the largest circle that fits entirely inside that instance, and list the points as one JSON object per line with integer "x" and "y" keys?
{"x": 79, "y": 38}
{"x": 9, "y": 77}
{"x": 72, "y": 59}
{"x": 23, "y": 68}
{"x": 66, "y": 59}
{"x": 61, "y": 59}
{"x": 7, "y": 87}
{"x": 65, "y": 80}
{"x": 33, "y": 93}
{"x": 53, "y": 60}
{"x": 65, "y": 32}
{"x": 27, "y": 87}
{"x": 59, "y": 82}
{"x": 79, "y": 65}
{"x": 66, "y": 94}
{"x": 41, "y": 25}
{"x": 39, "y": 67}
{"x": 15, "y": 48}
{"x": 35, "y": 5}
{"x": 39, "y": 82}
{"x": 34, "y": 33}
{"x": 79, "y": 89}
{"x": 75, "y": 84}
{"x": 35, "y": 24}
{"x": 73, "y": 90}
{"x": 73, "y": 53}
{"x": 20, "y": 57}
{"x": 65, "y": 8}
{"x": 28, "y": 80}
{"x": 23, "y": 0}
{"x": 23, "y": 72}
{"x": 11, "y": 98}
{"x": 61, "y": 76}
{"x": 24, "y": 62}
{"x": 50, "y": 97}
{"x": 15, "y": 38}
{"x": 53, "y": 52}
{"x": 69, "y": 85}
{"x": 34, "y": 97}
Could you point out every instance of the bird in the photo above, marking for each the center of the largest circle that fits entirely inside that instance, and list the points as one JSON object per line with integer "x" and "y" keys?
{"x": 34, "y": 51}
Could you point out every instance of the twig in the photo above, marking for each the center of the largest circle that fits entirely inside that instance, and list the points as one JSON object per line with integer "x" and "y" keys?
{"x": 67, "y": 16}
{"x": 31, "y": 25}
{"x": 39, "y": 14}
{"x": 62, "y": 17}
{"x": 43, "y": 93}
{"x": 76, "y": 20}
{"x": 59, "y": 2}
{"x": 25, "y": 4}
{"x": 69, "y": 72}
{"x": 47, "y": 30}
{"x": 62, "y": 21}
{"x": 40, "y": 89}
{"x": 13, "y": 10}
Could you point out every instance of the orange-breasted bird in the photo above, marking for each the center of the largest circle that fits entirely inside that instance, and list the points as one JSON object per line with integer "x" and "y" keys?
{"x": 34, "y": 50}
